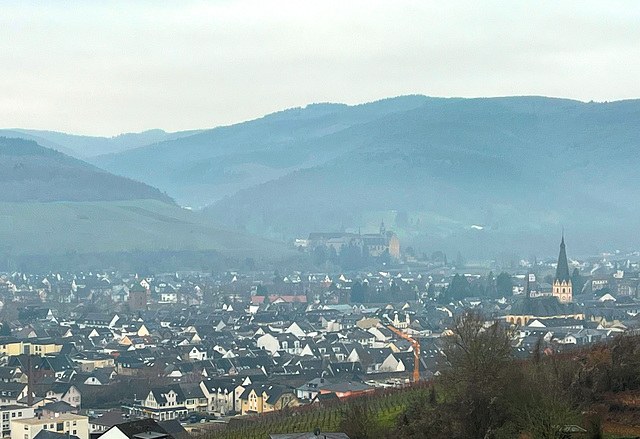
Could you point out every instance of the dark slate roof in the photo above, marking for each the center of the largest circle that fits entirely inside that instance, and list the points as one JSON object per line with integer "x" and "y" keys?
{"x": 109, "y": 419}
{"x": 48, "y": 434}
{"x": 59, "y": 407}
{"x": 130, "y": 429}
{"x": 174, "y": 428}
{"x": 562, "y": 271}
{"x": 543, "y": 307}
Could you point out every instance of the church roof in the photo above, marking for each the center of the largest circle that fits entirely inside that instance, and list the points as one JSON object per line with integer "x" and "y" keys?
{"x": 562, "y": 271}
{"x": 544, "y": 307}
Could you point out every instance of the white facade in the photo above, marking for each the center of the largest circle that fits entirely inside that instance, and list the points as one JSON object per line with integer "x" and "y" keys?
{"x": 71, "y": 424}
{"x": 11, "y": 413}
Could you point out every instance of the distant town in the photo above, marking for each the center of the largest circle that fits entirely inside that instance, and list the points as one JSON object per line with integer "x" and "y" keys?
{"x": 190, "y": 352}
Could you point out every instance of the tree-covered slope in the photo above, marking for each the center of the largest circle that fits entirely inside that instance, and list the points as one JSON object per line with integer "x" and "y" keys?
{"x": 475, "y": 174}
{"x": 30, "y": 172}
{"x": 200, "y": 169}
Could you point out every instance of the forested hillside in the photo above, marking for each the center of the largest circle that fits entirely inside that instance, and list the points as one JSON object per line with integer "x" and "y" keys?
{"x": 201, "y": 169}
{"x": 30, "y": 172}
{"x": 477, "y": 175}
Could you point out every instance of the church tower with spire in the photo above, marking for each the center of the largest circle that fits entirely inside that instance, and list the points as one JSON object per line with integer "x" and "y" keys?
{"x": 562, "y": 288}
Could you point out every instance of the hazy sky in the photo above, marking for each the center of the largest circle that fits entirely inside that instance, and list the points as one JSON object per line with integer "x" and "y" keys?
{"x": 109, "y": 67}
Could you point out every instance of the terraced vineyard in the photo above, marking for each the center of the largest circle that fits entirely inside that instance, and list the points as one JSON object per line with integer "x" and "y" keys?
{"x": 380, "y": 409}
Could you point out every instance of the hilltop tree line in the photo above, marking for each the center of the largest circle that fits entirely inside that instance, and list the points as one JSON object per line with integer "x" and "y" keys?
{"x": 397, "y": 291}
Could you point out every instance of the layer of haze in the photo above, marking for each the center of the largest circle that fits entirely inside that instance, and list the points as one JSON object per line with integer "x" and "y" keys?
{"x": 104, "y": 68}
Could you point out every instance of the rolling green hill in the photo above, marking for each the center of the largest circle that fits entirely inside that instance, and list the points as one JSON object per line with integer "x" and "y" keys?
{"x": 52, "y": 204}
{"x": 121, "y": 226}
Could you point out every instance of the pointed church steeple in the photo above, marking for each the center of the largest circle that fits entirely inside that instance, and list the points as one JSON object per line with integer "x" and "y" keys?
{"x": 383, "y": 230}
{"x": 562, "y": 270}
{"x": 562, "y": 288}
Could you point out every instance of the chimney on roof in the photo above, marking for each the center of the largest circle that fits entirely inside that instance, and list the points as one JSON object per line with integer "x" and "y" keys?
{"x": 29, "y": 382}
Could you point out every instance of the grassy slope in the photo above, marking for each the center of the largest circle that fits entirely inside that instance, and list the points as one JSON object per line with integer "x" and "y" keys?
{"x": 112, "y": 226}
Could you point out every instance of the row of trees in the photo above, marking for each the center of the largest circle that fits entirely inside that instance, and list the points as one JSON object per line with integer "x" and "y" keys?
{"x": 491, "y": 286}
{"x": 351, "y": 257}
{"x": 398, "y": 291}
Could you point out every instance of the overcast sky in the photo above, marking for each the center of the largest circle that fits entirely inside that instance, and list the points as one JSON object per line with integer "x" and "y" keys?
{"x": 105, "y": 68}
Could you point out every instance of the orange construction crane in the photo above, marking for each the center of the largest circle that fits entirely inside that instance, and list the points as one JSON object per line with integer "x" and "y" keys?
{"x": 416, "y": 352}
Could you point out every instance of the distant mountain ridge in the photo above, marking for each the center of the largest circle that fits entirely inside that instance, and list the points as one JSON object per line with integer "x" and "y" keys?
{"x": 518, "y": 167}
{"x": 201, "y": 169}
{"x": 484, "y": 174}
{"x": 89, "y": 146}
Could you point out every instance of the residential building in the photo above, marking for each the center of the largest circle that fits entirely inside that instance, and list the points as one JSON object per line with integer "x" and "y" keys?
{"x": 70, "y": 424}
{"x": 9, "y": 413}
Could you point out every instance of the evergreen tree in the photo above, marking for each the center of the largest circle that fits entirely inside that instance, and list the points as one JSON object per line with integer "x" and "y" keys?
{"x": 490, "y": 287}
{"x": 577, "y": 282}
{"x": 357, "y": 293}
{"x": 5, "y": 330}
{"x": 351, "y": 257}
{"x": 333, "y": 256}
{"x": 504, "y": 285}
{"x": 262, "y": 291}
{"x": 319, "y": 255}
{"x": 431, "y": 290}
{"x": 385, "y": 257}
{"x": 459, "y": 288}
